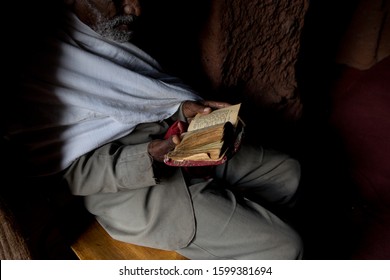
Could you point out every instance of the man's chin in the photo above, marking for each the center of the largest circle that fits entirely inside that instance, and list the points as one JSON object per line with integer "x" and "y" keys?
{"x": 118, "y": 34}
{"x": 122, "y": 28}
{"x": 122, "y": 36}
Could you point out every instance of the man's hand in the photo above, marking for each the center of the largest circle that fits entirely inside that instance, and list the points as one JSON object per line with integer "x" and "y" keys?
{"x": 158, "y": 148}
{"x": 191, "y": 108}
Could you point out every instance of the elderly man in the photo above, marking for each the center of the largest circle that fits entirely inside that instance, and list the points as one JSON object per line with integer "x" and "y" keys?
{"x": 94, "y": 109}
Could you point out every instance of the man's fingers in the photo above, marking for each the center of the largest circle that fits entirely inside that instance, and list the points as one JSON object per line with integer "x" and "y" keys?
{"x": 169, "y": 144}
{"x": 216, "y": 104}
{"x": 175, "y": 140}
{"x": 158, "y": 148}
{"x": 191, "y": 108}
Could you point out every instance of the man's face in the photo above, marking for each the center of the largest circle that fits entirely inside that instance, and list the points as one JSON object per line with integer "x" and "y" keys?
{"x": 113, "y": 19}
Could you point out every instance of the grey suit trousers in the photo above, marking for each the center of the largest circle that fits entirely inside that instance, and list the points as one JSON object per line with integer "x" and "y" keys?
{"x": 231, "y": 222}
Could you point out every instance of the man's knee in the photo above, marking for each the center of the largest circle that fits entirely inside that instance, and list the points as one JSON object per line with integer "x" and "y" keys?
{"x": 286, "y": 246}
{"x": 292, "y": 175}
{"x": 285, "y": 181}
{"x": 292, "y": 247}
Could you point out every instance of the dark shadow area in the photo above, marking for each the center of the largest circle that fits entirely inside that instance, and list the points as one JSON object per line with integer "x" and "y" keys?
{"x": 323, "y": 216}
{"x": 49, "y": 217}
{"x": 170, "y": 31}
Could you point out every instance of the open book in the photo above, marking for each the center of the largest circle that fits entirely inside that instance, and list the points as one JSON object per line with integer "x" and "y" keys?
{"x": 210, "y": 139}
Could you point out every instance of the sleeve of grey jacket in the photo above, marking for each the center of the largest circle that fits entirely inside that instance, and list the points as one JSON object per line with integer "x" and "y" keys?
{"x": 112, "y": 167}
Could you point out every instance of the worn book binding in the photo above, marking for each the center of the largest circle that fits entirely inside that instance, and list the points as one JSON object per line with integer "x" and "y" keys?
{"x": 209, "y": 139}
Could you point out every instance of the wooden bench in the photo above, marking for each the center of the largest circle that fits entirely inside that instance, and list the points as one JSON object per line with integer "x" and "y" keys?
{"x": 95, "y": 244}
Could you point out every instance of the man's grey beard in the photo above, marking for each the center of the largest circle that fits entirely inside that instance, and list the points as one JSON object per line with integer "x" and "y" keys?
{"x": 108, "y": 28}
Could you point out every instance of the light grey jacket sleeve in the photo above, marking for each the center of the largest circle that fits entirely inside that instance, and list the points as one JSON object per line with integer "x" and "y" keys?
{"x": 123, "y": 164}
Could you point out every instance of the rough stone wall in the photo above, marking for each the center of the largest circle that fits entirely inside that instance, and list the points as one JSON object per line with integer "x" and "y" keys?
{"x": 250, "y": 48}
{"x": 234, "y": 50}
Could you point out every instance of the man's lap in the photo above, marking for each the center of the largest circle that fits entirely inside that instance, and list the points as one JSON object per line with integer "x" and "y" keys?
{"x": 229, "y": 226}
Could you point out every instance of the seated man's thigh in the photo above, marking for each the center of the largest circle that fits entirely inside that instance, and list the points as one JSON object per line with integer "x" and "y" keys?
{"x": 231, "y": 227}
{"x": 271, "y": 175}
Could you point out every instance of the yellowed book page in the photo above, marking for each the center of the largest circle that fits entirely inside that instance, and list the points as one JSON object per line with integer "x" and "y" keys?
{"x": 201, "y": 137}
{"x": 201, "y": 156}
{"x": 223, "y": 115}
{"x": 206, "y": 142}
{"x": 199, "y": 149}
{"x": 209, "y": 155}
